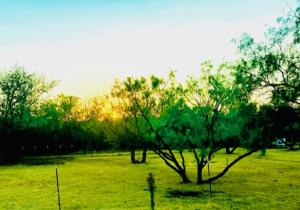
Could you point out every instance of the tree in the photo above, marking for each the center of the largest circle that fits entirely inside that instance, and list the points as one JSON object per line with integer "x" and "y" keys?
{"x": 195, "y": 117}
{"x": 147, "y": 99}
{"x": 273, "y": 65}
{"x": 68, "y": 123}
{"x": 96, "y": 112}
{"x": 130, "y": 129}
{"x": 185, "y": 128}
{"x": 216, "y": 117}
{"x": 20, "y": 95}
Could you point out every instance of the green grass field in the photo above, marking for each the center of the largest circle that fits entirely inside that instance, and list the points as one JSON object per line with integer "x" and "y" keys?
{"x": 108, "y": 181}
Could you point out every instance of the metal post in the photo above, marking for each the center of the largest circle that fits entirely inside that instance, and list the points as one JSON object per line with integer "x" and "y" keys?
{"x": 209, "y": 176}
{"x": 57, "y": 187}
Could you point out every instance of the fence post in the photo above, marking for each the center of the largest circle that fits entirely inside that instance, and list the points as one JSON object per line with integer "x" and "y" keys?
{"x": 209, "y": 176}
{"x": 57, "y": 187}
{"x": 151, "y": 183}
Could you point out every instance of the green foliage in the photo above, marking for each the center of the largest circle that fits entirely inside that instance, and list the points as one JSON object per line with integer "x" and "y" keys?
{"x": 20, "y": 94}
{"x": 215, "y": 102}
{"x": 130, "y": 131}
{"x": 207, "y": 114}
{"x": 65, "y": 119}
{"x": 273, "y": 65}
{"x": 60, "y": 112}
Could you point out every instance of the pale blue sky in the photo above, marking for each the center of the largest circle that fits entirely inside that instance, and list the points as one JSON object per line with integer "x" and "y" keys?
{"x": 86, "y": 44}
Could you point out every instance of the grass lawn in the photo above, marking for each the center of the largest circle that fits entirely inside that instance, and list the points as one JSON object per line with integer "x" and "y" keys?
{"x": 108, "y": 181}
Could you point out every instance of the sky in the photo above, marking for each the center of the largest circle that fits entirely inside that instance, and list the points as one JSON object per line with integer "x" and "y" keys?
{"x": 87, "y": 44}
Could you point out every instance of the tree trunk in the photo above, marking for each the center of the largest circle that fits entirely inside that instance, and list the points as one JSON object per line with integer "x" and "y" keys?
{"x": 199, "y": 174}
{"x": 228, "y": 150}
{"x": 200, "y": 166}
{"x": 171, "y": 161}
{"x": 222, "y": 173}
{"x": 134, "y": 159}
{"x": 132, "y": 156}
{"x": 184, "y": 177}
{"x": 144, "y": 157}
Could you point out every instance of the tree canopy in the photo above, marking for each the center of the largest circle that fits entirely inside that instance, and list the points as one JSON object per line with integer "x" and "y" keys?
{"x": 274, "y": 64}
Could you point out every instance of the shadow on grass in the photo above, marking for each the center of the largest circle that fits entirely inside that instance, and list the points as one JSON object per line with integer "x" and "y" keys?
{"x": 31, "y": 161}
{"x": 188, "y": 193}
{"x": 183, "y": 193}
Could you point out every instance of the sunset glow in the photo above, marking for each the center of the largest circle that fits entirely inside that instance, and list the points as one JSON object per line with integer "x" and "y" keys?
{"x": 87, "y": 44}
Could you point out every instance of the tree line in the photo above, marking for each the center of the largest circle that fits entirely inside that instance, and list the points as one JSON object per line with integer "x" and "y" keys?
{"x": 215, "y": 110}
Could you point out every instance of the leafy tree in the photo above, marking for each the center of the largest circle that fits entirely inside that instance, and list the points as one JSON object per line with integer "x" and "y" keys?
{"x": 147, "y": 100}
{"x": 202, "y": 116}
{"x": 123, "y": 135}
{"x": 130, "y": 130}
{"x": 93, "y": 122}
{"x": 20, "y": 94}
{"x": 216, "y": 116}
{"x": 91, "y": 135}
{"x": 66, "y": 119}
{"x": 273, "y": 65}
{"x": 185, "y": 128}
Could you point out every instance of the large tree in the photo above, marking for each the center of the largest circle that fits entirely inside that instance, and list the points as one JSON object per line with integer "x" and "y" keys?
{"x": 20, "y": 94}
{"x": 273, "y": 65}
{"x": 203, "y": 116}
{"x": 217, "y": 118}
{"x": 272, "y": 68}
{"x": 147, "y": 100}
